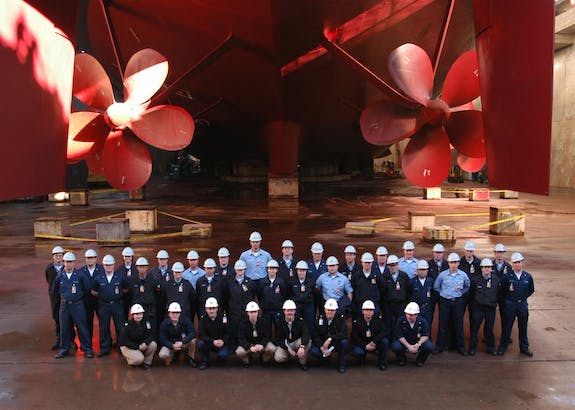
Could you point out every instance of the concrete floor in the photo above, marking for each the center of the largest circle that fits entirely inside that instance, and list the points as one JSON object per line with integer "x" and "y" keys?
{"x": 31, "y": 378}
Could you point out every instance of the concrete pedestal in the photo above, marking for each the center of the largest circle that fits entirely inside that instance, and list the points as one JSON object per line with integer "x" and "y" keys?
{"x": 419, "y": 219}
{"x": 197, "y": 230}
{"x": 80, "y": 197}
{"x": 479, "y": 195}
{"x": 509, "y": 195}
{"x": 432, "y": 193}
{"x": 359, "y": 229}
{"x": 113, "y": 231}
{"x": 137, "y": 194}
{"x": 52, "y": 226}
{"x": 143, "y": 220}
{"x": 442, "y": 233}
{"x": 511, "y": 225}
{"x": 283, "y": 187}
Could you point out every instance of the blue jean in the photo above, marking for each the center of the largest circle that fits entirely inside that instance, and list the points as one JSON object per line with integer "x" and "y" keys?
{"x": 205, "y": 349}
{"x": 381, "y": 348}
{"x": 340, "y": 348}
{"x": 424, "y": 351}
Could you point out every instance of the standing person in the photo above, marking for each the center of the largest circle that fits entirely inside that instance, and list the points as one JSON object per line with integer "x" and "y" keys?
{"x": 240, "y": 291}
{"x": 109, "y": 287}
{"x": 366, "y": 286}
{"x": 350, "y": 267}
{"x": 143, "y": 288}
{"x": 500, "y": 268}
{"x": 292, "y": 337}
{"x": 224, "y": 269}
{"x": 316, "y": 265}
{"x": 470, "y": 263}
{"x": 437, "y": 263}
{"x": 72, "y": 286}
{"x": 193, "y": 272}
{"x": 412, "y": 336}
{"x": 214, "y": 334}
{"x": 177, "y": 334}
{"x": 162, "y": 275}
{"x": 255, "y": 258}
{"x": 180, "y": 290}
{"x": 516, "y": 287}
{"x": 380, "y": 265}
{"x": 272, "y": 292}
{"x": 420, "y": 290}
{"x": 127, "y": 270}
{"x": 287, "y": 263}
{"x": 335, "y": 285}
{"x": 254, "y": 342}
{"x": 329, "y": 334}
{"x": 368, "y": 334}
{"x": 137, "y": 341}
{"x": 484, "y": 295}
{"x": 51, "y": 272}
{"x": 451, "y": 285}
{"x": 210, "y": 285}
{"x": 301, "y": 292}
{"x": 91, "y": 270}
{"x": 394, "y": 294}
{"x": 408, "y": 262}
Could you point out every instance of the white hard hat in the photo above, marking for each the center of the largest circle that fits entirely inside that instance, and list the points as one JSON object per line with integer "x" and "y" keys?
{"x": 438, "y": 248}
{"x": 486, "y": 262}
{"x": 90, "y": 253}
{"x": 289, "y": 304}
{"x": 137, "y": 308}
{"x": 368, "y": 305}
{"x": 515, "y": 257}
{"x": 453, "y": 257}
{"x": 317, "y": 247}
{"x": 255, "y": 237}
{"x": 302, "y": 265}
{"x": 469, "y": 246}
{"x": 273, "y": 264}
{"x": 253, "y": 307}
{"x": 499, "y": 248}
{"x": 422, "y": 264}
{"x": 162, "y": 254}
{"x": 381, "y": 250}
{"x": 174, "y": 307}
{"x": 127, "y": 251}
{"x": 412, "y": 308}
{"x": 240, "y": 264}
{"x": 209, "y": 263}
{"x": 392, "y": 259}
{"x": 349, "y": 249}
{"x": 142, "y": 261}
{"x": 108, "y": 260}
{"x": 223, "y": 252}
{"x": 367, "y": 257}
{"x": 211, "y": 302}
{"x": 178, "y": 267}
{"x": 330, "y": 304}
{"x": 193, "y": 255}
{"x": 69, "y": 256}
{"x": 287, "y": 244}
{"x": 332, "y": 260}
{"x": 408, "y": 245}
{"x": 57, "y": 249}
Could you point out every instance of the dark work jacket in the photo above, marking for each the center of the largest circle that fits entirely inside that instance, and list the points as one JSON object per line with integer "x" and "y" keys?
{"x": 337, "y": 330}
{"x": 485, "y": 292}
{"x": 143, "y": 291}
{"x": 239, "y": 295}
{"x": 127, "y": 273}
{"x": 205, "y": 290}
{"x": 51, "y": 274}
{"x": 298, "y": 329}
{"x": 412, "y": 335}
{"x": 424, "y": 295}
{"x": 517, "y": 290}
{"x": 287, "y": 274}
{"x": 357, "y": 268}
{"x": 299, "y": 296}
{"x": 390, "y": 291}
{"x": 473, "y": 268}
{"x": 246, "y": 336}
{"x": 359, "y": 331}
{"x": 211, "y": 330}
{"x": 313, "y": 272}
{"x": 366, "y": 288}
{"x": 89, "y": 299}
{"x": 183, "y": 293}
{"x": 73, "y": 289}
{"x": 183, "y": 331}
{"x": 225, "y": 273}
{"x": 505, "y": 268}
{"x": 271, "y": 297}
{"x": 434, "y": 271}
{"x": 112, "y": 291}
{"x": 134, "y": 334}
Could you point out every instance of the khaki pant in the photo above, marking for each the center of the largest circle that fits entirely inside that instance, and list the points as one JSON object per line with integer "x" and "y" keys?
{"x": 282, "y": 355}
{"x": 167, "y": 354}
{"x": 266, "y": 354}
{"x": 137, "y": 357}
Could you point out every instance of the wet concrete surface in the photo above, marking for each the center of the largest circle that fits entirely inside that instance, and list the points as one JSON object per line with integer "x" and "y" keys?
{"x": 31, "y": 378}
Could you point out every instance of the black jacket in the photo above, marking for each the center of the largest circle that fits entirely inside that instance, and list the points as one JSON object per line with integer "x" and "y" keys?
{"x": 298, "y": 329}
{"x": 337, "y": 330}
{"x": 213, "y": 329}
{"x": 362, "y": 333}
{"x": 485, "y": 292}
{"x": 134, "y": 334}
{"x": 249, "y": 335}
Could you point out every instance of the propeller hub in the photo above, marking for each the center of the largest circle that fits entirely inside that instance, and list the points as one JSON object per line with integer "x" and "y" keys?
{"x": 120, "y": 115}
{"x": 436, "y": 112}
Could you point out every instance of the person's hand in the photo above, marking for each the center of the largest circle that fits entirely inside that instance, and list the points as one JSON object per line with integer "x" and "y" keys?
{"x": 178, "y": 345}
{"x": 143, "y": 347}
{"x": 413, "y": 348}
{"x": 370, "y": 347}
{"x": 258, "y": 348}
{"x": 218, "y": 343}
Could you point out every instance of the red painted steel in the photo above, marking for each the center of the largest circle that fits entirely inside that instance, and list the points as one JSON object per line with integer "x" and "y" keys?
{"x": 427, "y": 157}
{"x": 126, "y": 160}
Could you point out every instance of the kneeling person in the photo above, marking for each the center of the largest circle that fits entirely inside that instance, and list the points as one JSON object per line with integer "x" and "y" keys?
{"x": 253, "y": 338}
{"x": 214, "y": 334}
{"x": 412, "y": 336}
{"x": 137, "y": 341}
{"x": 177, "y": 334}
{"x": 292, "y": 336}
{"x": 368, "y": 335}
{"x": 329, "y": 334}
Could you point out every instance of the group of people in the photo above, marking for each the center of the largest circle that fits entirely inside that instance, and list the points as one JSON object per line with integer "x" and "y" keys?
{"x": 265, "y": 309}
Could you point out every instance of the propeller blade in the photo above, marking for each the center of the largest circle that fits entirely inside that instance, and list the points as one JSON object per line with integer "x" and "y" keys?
{"x": 462, "y": 82}
{"x": 470, "y": 164}
{"x": 165, "y": 126}
{"x": 145, "y": 73}
{"x": 427, "y": 157}
{"x": 465, "y": 130}
{"x": 91, "y": 84}
{"x": 127, "y": 161}
{"x": 86, "y": 133}
{"x": 95, "y": 162}
{"x": 411, "y": 69}
{"x": 385, "y": 123}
